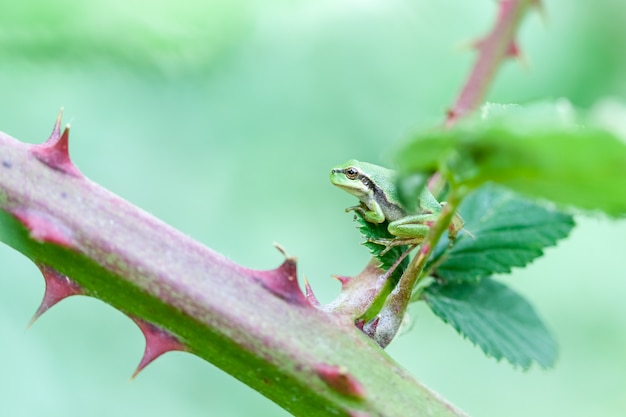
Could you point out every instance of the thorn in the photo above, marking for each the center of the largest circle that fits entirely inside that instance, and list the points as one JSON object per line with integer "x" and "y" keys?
{"x": 56, "y": 131}
{"x": 513, "y": 50}
{"x": 55, "y": 151}
{"x": 343, "y": 279}
{"x": 282, "y": 281}
{"x": 280, "y": 249}
{"x": 338, "y": 378}
{"x": 284, "y": 253}
{"x": 45, "y": 228}
{"x": 521, "y": 59}
{"x": 58, "y": 287}
{"x": 158, "y": 342}
{"x": 308, "y": 293}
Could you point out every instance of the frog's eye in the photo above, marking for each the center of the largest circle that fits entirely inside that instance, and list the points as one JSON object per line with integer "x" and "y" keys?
{"x": 351, "y": 173}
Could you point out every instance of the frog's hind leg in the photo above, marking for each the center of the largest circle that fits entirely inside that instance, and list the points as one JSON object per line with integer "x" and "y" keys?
{"x": 395, "y": 242}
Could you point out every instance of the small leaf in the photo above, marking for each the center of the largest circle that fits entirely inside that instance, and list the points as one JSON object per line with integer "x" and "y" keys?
{"x": 505, "y": 231}
{"x": 546, "y": 151}
{"x": 495, "y": 318}
{"x": 379, "y": 231}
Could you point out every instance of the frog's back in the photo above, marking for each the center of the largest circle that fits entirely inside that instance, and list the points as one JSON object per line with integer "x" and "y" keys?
{"x": 386, "y": 194}
{"x": 387, "y": 181}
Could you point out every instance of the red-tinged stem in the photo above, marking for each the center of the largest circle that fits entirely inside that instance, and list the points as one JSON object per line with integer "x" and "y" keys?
{"x": 492, "y": 51}
{"x": 309, "y": 361}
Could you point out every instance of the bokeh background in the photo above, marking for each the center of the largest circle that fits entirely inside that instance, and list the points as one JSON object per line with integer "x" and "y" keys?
{"x": 223, "y": 118}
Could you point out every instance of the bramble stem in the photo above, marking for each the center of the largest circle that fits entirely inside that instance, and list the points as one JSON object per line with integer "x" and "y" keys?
{"x": 492, "y": 50}
{"x": 244, "y": 321}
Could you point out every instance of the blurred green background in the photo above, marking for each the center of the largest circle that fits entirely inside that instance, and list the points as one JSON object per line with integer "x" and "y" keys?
{"x": 223, "y": 118}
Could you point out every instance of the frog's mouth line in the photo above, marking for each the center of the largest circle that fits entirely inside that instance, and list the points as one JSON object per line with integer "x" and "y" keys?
{"x": 355, "y": 191}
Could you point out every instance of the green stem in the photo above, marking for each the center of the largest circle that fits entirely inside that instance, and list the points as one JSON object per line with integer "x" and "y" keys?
{"x": 401, "y": 295}
{"x": 390, "y": 316}
{"x": 414, "y": 272}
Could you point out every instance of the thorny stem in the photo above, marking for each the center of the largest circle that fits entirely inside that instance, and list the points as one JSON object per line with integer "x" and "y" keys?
{"x": 256, "y": 325}
{"x": 276, "y": 342}
{"x": 492, "y": 50}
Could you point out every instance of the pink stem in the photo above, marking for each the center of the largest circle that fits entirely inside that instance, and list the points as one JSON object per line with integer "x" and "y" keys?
{"x": 492, "y": 50}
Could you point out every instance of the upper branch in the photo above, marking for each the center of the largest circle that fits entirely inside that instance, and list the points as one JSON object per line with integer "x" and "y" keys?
{"x": 492, "y": 50}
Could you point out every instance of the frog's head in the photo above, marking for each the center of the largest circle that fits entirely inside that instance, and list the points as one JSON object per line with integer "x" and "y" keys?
{"x": 349, "y": 176}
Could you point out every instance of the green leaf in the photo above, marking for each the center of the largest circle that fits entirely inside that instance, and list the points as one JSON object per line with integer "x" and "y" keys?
{"x": 546, "y": 151}
{"x": 505, "y": 231}
{"x": 495, "y": 318}
{"x": 373, "y": 231}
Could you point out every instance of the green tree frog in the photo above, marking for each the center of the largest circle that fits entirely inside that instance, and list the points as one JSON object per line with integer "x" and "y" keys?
{"x": 375, "y": 187}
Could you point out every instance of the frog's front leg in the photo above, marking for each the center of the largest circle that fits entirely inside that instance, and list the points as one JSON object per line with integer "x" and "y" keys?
{"x": 372, "y": 213}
